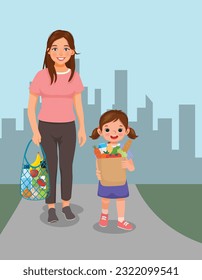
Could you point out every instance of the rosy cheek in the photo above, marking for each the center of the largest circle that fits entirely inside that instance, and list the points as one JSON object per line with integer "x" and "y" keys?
{"x": 106, "y": 135}
{"x": 53, "y": 56}
{"x": 121, "y": 134}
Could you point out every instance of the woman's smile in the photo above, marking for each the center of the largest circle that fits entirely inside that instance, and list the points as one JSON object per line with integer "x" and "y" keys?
{"x": 60, "y": 58}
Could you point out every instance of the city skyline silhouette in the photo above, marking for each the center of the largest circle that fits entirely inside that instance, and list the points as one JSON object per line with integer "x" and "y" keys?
{"x": 155, "y": 160}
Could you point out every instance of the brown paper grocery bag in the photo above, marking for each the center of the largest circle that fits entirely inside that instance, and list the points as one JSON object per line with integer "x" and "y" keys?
{"x": 112, "y": 173}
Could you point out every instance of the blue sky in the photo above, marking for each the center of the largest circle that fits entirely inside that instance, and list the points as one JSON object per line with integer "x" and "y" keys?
{"x": 158, "y": 42}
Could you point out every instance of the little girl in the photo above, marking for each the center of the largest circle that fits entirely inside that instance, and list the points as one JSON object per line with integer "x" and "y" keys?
{"x": 113, "y": 126}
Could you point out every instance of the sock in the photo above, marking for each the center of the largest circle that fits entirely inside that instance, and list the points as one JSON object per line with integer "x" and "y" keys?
{"x": 105, "y": 211}
{"x": 121, "y": 219}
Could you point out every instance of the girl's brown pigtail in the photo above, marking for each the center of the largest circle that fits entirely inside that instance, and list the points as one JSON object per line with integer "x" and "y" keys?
{"x": 132, "y": 134}
{"x": 94, "y": 134}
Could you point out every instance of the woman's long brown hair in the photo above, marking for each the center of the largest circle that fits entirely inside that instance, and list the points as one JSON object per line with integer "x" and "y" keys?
{"x": 48, "y": 62}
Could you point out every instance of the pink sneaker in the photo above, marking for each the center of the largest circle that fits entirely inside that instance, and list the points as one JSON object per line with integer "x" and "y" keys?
{"x": 124, "y": 225}
{"x": 103, "y": 220}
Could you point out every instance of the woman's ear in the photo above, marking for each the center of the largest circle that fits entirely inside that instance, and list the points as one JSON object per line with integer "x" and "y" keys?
{"x": 72, "y": 52}
{"x": 48, "y": 50}
{"x": 99, "y": 131}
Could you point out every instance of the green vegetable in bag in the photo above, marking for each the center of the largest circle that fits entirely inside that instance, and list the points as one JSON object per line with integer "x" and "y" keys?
{"x": 115, "y": 150}
{"x": 123, "y": 154}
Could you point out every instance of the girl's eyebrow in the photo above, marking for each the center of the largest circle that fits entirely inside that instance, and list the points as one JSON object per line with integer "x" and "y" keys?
{"x": 105, "y": 125}
{"x": 66, "y": 45}
{"x": 54, "y": 45}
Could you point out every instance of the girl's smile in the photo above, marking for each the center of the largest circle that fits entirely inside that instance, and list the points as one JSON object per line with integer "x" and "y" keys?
{"x": 114, "y": 137}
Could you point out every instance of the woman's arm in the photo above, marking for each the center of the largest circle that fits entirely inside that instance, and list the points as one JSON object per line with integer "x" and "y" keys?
{"x": 79, "y": 111}
{"x": 33, "y": 98}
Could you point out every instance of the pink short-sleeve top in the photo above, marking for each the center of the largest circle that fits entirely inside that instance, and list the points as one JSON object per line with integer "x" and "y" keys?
{"x": 57, "y": 98}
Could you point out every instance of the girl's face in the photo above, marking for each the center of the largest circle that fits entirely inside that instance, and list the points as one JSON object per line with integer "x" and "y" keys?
{"x": 113, "y": 132}
{"x": 60, "y": 52}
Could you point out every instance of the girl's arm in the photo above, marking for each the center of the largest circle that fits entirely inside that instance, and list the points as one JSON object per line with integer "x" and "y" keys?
{"x": 98, "y": 172}
{"x": 128, "y": 164}
{"x": 33, "y": 98}
{"x": 79, "y": 111}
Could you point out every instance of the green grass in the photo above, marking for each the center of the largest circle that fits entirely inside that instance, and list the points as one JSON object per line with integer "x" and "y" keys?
{"x": 9, "y": 200}
{"x": 179, "y": 206}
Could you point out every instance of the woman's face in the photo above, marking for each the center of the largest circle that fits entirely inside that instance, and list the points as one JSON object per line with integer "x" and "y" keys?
{"x": 60, "y": 51}
{"x": 113, "y": 132}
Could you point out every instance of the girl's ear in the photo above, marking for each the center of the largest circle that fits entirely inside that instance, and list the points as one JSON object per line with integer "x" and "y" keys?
{"x": 72, "y": 52}
{"x": 48, "y": 50}
{"x": 99, "y": 131}
{"x": 127, "y": 130}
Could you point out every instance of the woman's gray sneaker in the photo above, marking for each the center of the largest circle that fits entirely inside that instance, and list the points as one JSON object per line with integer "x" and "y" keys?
{"x": 52, "y": 217}
{"x": 68, "y": 213}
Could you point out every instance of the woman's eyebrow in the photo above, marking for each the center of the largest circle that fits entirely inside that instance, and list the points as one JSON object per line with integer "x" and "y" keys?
{"x": 54, "y": 45}
{"x": 105, "y": 125}
{"x": 66, "y": 45}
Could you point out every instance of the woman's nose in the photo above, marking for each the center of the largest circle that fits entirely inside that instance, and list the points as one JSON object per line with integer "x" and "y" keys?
{"x": 60, "y": 52}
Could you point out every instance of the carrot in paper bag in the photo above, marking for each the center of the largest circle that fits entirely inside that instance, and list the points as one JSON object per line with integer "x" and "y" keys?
{"x": 97, "y": 152}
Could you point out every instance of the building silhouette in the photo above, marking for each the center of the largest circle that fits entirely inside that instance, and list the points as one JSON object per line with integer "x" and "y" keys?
{"x": 155, "y": 160}
{"x": 121, "y": 90}
{"x": 187, "y": 129}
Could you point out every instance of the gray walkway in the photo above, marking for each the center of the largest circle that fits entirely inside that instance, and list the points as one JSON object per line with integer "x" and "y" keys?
{"x": 29, "y": 236}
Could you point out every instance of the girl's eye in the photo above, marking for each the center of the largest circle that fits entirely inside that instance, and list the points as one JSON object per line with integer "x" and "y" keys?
{"x": 54, "y": 49}
{"x": 106, "y": 129}
{"x": 120, "y": 130}
{"x": 66, "y": 49}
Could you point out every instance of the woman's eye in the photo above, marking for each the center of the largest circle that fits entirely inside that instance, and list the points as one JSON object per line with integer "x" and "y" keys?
{"x": 106, "y": 129}
{"x": 66, "y": 49}
{"x": 54, "y": 49}
{"x": 120, "y": 130}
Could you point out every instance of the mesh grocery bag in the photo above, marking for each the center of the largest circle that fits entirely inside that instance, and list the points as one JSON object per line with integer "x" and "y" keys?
{"x": 34, "y": 180}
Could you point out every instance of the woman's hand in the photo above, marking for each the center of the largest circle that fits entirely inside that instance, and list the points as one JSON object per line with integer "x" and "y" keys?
{"x": 82, "y": 137}
{"x": 36, "y": 138}
{"x": 128, "y": 164}
{"x": 98, "y": 174}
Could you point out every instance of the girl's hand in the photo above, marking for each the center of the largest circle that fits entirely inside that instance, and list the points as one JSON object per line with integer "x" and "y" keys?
{"x": 36, "y": 138}
{"x": 98, "y": 174}
{"x": 82, "y": 137}
{"x": 128, "y": 164}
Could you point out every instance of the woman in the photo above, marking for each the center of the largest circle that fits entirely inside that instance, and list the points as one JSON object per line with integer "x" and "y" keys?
{"x": 60, "y": 88}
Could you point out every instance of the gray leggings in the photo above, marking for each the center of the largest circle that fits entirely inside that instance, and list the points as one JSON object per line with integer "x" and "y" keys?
{"x": 63, "y": 135}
